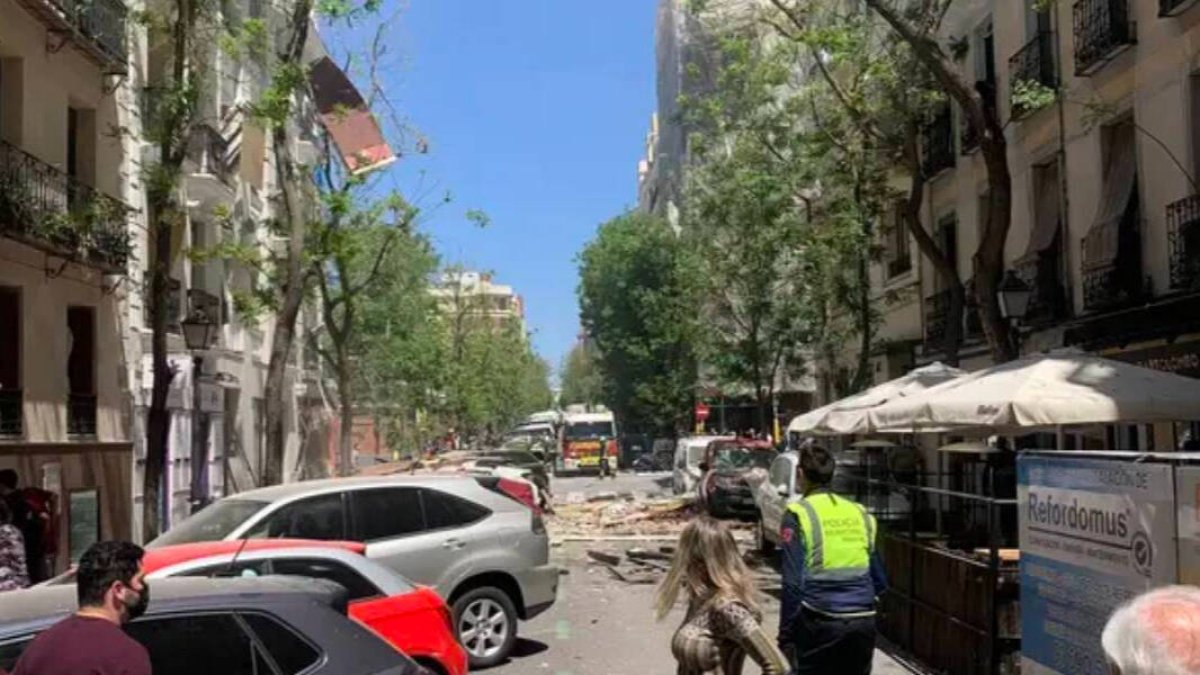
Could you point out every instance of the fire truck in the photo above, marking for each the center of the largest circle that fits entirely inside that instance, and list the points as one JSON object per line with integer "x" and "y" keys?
{"x": 584, "y": 439}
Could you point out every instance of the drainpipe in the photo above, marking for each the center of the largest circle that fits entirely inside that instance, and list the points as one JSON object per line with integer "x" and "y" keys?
{"x": 1064, "y": 192}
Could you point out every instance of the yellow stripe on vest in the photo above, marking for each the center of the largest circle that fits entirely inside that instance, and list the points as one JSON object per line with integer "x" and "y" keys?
{"x": 839, "y": 536}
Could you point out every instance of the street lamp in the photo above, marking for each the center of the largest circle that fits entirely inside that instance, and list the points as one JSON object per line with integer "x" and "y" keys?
{"x": 198, "y": 335}
{"x": 1014, "y": 296}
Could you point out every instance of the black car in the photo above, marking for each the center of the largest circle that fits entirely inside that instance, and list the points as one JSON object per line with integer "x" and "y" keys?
{"x": 193, "y": 626}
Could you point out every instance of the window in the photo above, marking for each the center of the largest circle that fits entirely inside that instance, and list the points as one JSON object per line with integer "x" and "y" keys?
{"x": 199, "y": 645}
{"x": 239, "y": 568}
{"x": 213, "y": 523}
{"x": 356, "y": 584}
{"x": 10, "y": 652}
{"x": 81, "y": 371}
{"x": 898, "y": 255}
{"x": 389, "y": 512}
{"x": 985, "y": 53}
{"x": 947, "y": 241}
{"x": 321, "y": 517}
{"x": 10, "y": 362}
{"x": 443, "y": 510}
{"x": 290, "y": 652}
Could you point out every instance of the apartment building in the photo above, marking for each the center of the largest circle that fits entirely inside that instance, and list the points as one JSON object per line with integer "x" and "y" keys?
{"x": 474, "y": 294}
{"x": 1106, "y": 216}
{"x": 69, "y": 211}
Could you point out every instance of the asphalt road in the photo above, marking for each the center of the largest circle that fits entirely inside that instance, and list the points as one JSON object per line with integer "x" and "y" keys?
{"x": 601, "y": 626}
{"x": 647, "y": 484}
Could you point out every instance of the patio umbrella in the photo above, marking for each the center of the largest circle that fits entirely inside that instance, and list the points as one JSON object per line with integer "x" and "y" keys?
{"x": 1047, "y": 390}
{"x": 849, "y": 415}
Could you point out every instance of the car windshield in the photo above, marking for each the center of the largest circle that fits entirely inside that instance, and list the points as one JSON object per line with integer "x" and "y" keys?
{"x": 695, "y": 454}
{"x": 587, "y": 430}
{"x": 738, "y": 458}
{"x": 215, "y": 522}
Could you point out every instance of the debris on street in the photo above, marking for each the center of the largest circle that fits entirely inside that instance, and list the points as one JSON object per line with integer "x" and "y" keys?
{"x": 610, "y": 514}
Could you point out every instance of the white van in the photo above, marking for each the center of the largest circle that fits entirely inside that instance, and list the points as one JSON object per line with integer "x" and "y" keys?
{"x": 689, "y": 452}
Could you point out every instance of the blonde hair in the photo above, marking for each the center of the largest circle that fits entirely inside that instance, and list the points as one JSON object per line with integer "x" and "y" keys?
{"x": 708, "y": 566}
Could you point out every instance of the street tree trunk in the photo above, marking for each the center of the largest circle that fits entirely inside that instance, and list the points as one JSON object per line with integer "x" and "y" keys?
{"x": 295, "y": 278}
{"x": 942, "y": 264}
{"x": 989, "y": 256}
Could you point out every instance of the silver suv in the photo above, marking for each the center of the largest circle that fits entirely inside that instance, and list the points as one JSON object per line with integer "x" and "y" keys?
{"x": 475, "y": 540}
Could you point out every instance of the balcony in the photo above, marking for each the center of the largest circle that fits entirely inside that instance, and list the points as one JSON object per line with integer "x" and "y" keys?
{"x": 1183, "y": 239}
{"x": 969, "y": 139}
{"x": 1173, "y": 7}
{"x": 1032, "y": 65}
{"x": 97, "y": 27}
{"x": 213, "y": 168}
{"x": 81, "y": 415}
{"x": 937, "y": 143}
{"x": 43, "y": 207}
{"x": 11, "y": 420}
{"x": 1048, "y": 304}
{"x": 937, "y": 309}
{"x": 1114, "y": 283}
{"x": 1103, "y": 29}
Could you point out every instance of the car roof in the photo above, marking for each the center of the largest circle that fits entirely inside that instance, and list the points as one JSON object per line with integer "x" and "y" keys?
{"x": 167, "y": 556}
{"x": 277, "y": 492}
{"x": 747, "y": 443}
{"x": 572, "y": 418}
{"x": 702, "y": 441}
{"x": 33, "y": 604}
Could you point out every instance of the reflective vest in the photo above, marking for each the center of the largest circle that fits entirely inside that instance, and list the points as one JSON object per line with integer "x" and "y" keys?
{"x": 839, "y": 537}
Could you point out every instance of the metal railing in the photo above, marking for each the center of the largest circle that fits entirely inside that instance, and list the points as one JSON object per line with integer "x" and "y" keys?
{"x": 102, "y": 22}
{"x": 938, "y": 143}
{"x": 1032, "y": 64}
{"x": 48, "y": 209}
{"x": 1115, "y": 283}
{"x": 1102, "y": 29}
{"x": 952, "y": 603}
{"x": 209, "y": 152}
{"x": 1183, "y": 238}
{"x": 1049, "y": 300}
{"x": 937, "y": 307}
{"x": 12, "y": 421}
{"x": 81, "y": 415}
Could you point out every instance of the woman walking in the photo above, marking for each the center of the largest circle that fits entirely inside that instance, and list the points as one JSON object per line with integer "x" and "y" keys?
{"x": 13, "y": 573}
{"x": 723, "y": 623}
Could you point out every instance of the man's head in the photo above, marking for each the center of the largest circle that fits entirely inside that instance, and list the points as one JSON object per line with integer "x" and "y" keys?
{"x": 1156, "y": 633}
{"x": 110, "y": 578}
{"x": 8, "y": 481}
{"x": 816, "y": 468}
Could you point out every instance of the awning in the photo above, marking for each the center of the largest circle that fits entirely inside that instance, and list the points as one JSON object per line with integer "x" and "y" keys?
{"x": 1046, "y": 217}
{"x": 1101, "y": 244}
{"x": 849, "y": 415}
{"x": 346, "y": 118}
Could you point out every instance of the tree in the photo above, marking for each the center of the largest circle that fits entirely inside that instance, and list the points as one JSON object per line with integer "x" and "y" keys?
{"x": 579, "y": 376}
{"x": 918, "y": 24}
{"x": 881, "y": 93}
{"x": 640, "y": 305}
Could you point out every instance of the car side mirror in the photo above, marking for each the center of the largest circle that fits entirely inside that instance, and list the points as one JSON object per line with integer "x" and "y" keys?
{"x": 703, "y": 466}
{"x": 782, "y": 490}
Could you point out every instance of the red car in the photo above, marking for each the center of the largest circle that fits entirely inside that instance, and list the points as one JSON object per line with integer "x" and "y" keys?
{"x": 414, "y": 619}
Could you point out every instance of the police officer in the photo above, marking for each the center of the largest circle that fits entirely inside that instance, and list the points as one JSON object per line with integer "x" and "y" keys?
{"x": 832, "y": 576}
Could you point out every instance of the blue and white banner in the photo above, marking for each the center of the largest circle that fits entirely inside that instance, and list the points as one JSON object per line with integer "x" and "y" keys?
{"x": 1094, "y": 533}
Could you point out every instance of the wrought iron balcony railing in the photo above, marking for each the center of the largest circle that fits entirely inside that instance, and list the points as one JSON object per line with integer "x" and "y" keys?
{"x": 96, "y": 26}
{"x": 1103, "y": 29}
{"x": 938, "y": 143}
{"x": 81, "y": 415}
{"x": 937, "y": 309}
{"x": 1032, "y": 66}
{"x": 1183, "y": 238}
{"x": 1048, "y": 303}
{"x": 1114, "y": 283}
{"x": 43, "y": 207}
{"x": 209, "y": 152}
{"x": 11, "y": 419}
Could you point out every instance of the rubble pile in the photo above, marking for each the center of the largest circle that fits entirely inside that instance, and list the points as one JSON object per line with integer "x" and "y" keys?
{"x": 610, "y": 514}
{"x": 637, "y": 565}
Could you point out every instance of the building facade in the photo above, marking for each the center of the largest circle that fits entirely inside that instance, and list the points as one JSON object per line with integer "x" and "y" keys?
{"x": 475, "y": 294}
{"x": 1106, "y": 217}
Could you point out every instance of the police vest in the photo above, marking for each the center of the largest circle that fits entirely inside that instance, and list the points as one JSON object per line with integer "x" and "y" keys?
{"x": 839, "y": 535}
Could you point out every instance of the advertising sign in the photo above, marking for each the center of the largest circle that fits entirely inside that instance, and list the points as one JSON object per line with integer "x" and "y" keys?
{"x": 1093, "y": 533}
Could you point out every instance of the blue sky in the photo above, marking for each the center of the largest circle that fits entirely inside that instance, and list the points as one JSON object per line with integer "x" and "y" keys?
{"x": 536, "y": 113}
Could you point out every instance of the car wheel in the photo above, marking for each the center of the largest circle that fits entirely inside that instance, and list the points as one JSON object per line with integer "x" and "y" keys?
{"x": 765, "y": 546}
{"x": 485, "y": 621}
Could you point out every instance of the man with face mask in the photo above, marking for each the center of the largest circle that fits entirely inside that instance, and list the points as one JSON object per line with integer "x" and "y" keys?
{"x": 112, "y": 591}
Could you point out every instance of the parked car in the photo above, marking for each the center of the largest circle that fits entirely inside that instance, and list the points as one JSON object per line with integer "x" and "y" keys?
{"x": 514, "y": 461}
{"x": 689, "y": 454}
{"x": 414, "y": 619}
{"x": 478, "y": 540}
{"x": 275, "y": 626}
{"x": 726, "y": 490}
{"x": 772, "y": 497}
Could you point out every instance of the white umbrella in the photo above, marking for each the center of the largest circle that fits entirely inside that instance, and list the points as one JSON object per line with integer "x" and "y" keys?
{"x": 849, "y": 415}
{"x": 1047, "y": 390}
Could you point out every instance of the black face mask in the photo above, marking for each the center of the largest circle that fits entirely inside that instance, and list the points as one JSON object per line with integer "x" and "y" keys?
{"x": 138, "y": 607}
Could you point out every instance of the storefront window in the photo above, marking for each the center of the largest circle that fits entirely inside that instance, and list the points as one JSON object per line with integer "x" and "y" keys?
{"x": 83, "y": 515}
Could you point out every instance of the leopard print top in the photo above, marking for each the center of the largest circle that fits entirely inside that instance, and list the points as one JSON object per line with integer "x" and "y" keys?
{"x": 715, "y": 640}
